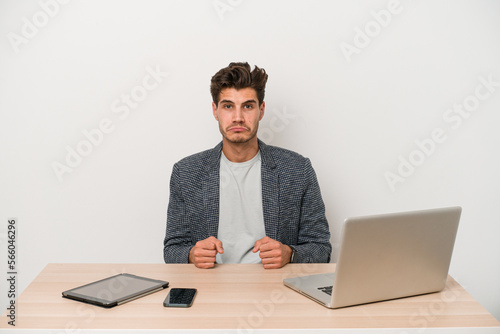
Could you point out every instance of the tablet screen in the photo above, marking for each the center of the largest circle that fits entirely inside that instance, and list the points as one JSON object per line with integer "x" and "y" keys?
{"x": 115, "y": 289}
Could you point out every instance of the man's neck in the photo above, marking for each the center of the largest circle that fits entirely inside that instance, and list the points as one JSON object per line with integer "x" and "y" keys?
{"x": 240, "y": 152}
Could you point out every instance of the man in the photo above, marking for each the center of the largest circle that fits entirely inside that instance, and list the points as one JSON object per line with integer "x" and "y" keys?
{"x": 244, "y": 201}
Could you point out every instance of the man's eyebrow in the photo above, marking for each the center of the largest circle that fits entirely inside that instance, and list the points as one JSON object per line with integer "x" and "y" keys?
{"x": 229, "y": 101}
{"x": 249, "y": 101}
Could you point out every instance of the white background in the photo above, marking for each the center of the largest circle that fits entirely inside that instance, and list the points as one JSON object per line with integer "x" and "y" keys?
{"x": 65, "y": 67}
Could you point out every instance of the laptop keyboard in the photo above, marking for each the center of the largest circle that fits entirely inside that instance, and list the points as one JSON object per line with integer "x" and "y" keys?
{"x": 327, "y": 289}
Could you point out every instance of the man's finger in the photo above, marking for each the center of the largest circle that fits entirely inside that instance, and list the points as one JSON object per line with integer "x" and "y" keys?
{"x": 218, "y": 246}
{"x": 269, "y": 260}
{"x": 260, "y": 242}
{"x": 214, "y": 243}
{"x": 272, "y": 253}
{"x": 271, "y": 263}
{"x": 270, "y": 246}
{"x": 272, "y": 266}
{"x": 205, "y": 259}
{"x": 203, "y": 252}
{"x": 211, "y": 243}
{"x": 205, "y": 265}
{"x": 256, "y": 247}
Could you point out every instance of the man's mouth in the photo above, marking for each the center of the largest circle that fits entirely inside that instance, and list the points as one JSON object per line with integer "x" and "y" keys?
{"x": 238, "y": 129}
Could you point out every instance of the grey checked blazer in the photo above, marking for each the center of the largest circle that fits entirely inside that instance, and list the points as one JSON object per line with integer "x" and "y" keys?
{"x": 294, "y": 213}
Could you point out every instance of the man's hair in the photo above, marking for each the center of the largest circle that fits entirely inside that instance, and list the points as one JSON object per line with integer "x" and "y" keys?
{"x": 238, "y": 76}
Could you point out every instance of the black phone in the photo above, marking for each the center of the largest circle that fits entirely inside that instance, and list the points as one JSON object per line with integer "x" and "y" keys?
{"x": 179, "y": 297}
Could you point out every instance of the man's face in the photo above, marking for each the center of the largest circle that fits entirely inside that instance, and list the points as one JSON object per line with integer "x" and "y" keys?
{"x": 238, "y": 114}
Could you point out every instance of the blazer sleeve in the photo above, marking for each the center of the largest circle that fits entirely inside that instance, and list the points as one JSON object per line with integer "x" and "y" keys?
{"x": 314, "y": 234}
{"x": 178, "y": 241}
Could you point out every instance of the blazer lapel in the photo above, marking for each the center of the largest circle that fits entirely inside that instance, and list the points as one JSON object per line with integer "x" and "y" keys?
{"x": 270, "y": 192}
{"x": 210, "y": 187}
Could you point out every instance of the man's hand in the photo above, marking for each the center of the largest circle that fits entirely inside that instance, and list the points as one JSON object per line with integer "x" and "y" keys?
{"x": 272, "y": 253}
{"x": 203, "y": 253}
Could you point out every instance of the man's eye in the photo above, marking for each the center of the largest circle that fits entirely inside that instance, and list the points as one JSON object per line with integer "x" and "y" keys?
{"x": 227, "y": 106}
{"x": 248, "y": 106}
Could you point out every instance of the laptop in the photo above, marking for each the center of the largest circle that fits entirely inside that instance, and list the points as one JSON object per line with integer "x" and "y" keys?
{"x": 385, "y": 257}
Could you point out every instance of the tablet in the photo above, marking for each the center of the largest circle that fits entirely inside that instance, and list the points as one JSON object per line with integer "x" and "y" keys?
{"x": 115, "y": 290}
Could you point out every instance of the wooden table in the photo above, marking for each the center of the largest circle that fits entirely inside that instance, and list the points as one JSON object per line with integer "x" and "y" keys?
{"x": 240, "y": 296}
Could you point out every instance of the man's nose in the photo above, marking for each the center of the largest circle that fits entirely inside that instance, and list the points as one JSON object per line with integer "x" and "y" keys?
{"x": 238, "y": 115}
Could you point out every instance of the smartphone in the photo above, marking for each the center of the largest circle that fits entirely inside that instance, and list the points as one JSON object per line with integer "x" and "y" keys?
{"x": 179, "y": 297}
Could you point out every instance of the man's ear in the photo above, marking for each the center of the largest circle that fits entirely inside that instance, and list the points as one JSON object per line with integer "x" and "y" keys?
{"x": 214, "y": 110}
{"x": 262, "y": 110}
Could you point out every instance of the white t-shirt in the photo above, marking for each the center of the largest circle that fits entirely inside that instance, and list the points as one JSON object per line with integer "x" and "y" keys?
{"x": 241, "y": 219}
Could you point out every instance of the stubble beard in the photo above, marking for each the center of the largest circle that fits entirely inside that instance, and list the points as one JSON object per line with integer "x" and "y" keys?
{"x": 239, "y": 139}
